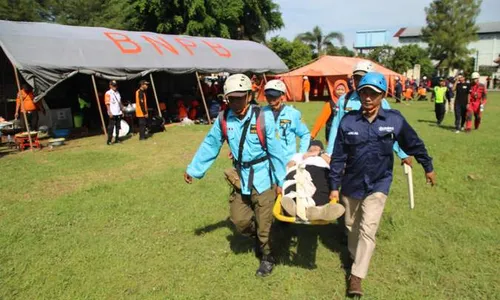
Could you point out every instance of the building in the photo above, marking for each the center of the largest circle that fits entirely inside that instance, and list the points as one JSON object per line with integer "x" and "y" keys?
{"x": 367, "y": 40}
{"x": 486, "y": 48}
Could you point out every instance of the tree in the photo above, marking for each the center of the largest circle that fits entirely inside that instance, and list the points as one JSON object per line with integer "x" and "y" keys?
{"x": 294, "y": 54}
{"x": 342, "y": 51}
{"x": 383, "y": 55}
{"x": 319, "y": 42}
{"x": 402, "y": 59}
{"x": 408, "y": 56}
{"x": 23, "y": 10}
{"x": 450, "y": 28}
{"x": 259, "y": 17}
{"x": 238, "y": 19}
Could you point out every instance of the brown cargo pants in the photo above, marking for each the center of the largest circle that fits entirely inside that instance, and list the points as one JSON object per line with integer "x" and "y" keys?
{"x": 253, "y": 214}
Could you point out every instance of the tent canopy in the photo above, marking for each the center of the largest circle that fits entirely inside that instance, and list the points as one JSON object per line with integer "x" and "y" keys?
{"x": 47, "y": 54}
{"x": 335, "y": 66}
{"x": 335, "y": 70}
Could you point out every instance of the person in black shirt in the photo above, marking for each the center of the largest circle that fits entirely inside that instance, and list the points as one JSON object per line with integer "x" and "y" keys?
{"x": 461, "y": 90}
{"x": 398, "y": 90}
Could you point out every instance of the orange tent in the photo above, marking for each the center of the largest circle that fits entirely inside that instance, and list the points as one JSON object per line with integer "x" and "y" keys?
{"x": 333, "y": 68}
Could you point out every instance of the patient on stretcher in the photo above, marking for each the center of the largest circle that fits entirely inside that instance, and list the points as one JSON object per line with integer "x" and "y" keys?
{"x": 306, "y": 191}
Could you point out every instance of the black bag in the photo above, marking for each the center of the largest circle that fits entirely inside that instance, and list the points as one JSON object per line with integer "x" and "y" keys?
{"x": 157, "y": 125}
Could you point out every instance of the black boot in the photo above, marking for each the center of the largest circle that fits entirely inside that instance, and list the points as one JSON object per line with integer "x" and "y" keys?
{"x": 266, "y": 266}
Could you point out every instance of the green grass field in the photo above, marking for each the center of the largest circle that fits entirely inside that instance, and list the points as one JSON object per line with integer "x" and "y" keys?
{"x": 90, "y": 221}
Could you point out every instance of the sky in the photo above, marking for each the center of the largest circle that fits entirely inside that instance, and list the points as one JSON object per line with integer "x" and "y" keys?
{"x": 349, "y": 16}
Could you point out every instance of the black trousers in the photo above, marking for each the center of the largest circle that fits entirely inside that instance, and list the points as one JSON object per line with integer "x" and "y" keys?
{"x": 142, "y": 128}
{"x": 32, "y": 117}
{"x": 398, "y": 98}
{"x": 86, "y": 117}
{"x": 460, "y": 115}
{"x": 114, "y": 123}
{"x": 440, "y": 111}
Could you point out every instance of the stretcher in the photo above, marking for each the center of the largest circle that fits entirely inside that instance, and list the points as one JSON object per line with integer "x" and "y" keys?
{"x": 280, "y": 216}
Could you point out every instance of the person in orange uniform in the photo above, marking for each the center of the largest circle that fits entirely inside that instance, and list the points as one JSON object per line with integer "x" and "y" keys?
{"x": 30, "y": 107}
{"x": 141, "y": 108}
{"x": 329, "y": 111}
{"x": 306, "y": 87}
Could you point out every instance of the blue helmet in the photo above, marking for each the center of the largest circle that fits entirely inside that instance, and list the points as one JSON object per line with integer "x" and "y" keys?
{"x": 375, "y": 81}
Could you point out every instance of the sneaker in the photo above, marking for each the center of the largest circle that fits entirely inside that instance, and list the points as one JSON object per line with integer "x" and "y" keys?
{"x": 266, "y": 266}
{"x": 289, "y": 206}
{"x": 328, "y": 212}
{"x": 355, "y": 286}
{"x": 108, "y": 143}
{"x": 457, "y": 131}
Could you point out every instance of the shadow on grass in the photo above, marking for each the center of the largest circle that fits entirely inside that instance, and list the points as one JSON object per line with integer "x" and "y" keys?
{"x": 306, "y": 238}
{"x": 433, "y": 124}
{"x": 443, "y": 127}
{"x": 292, "y": 244}
{"x": 238, "y": 243}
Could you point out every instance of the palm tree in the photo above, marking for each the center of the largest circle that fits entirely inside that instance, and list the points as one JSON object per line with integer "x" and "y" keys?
{"x": 318, "y": 41}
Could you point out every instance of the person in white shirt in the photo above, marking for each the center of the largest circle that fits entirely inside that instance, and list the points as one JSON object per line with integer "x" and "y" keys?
{"x": 113, "y": 102}
{"x": 306, "y": 190}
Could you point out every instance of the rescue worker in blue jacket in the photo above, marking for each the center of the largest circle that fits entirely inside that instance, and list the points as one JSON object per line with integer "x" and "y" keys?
{"x": 259, "y": 168}
{"x": 362, "y": 165}
{"x": 288, "y": 120}
{"x": 354, "y": 103}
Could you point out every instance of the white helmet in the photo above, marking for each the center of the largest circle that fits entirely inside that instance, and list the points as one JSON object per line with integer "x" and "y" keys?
{"x": 237, "y": 83}
{"x": 363, "y": 67}
{"x": 305, "y": 78}
{"x": 424, "y": 78}
{"x": 475, "y": 75}
{"x": 397, "y": 78}
{"x": 276, "y": 85}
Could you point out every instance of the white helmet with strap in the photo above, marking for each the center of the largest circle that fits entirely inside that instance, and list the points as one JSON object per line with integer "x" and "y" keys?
{"x": 237, "y": 83}
{"x": 364, "y": 66}
{"x": 475, "y": 75}
{"x": 276, "y": 85}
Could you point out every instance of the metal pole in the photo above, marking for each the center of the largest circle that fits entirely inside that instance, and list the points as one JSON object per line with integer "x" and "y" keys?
{"x": 99, "y": 106}
{"x": 22, "y": 107}
{"x": 203, "y": 97}
{"x": 156, "y": 96}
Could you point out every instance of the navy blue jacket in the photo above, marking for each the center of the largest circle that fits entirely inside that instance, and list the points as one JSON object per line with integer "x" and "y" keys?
{"x": 362, "y": 160}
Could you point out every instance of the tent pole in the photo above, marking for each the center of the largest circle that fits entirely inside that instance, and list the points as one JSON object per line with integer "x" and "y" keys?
{"x": 22, "y": 107}
{"x": 156, "y": 96}
{"x": 99, "y": 106}
{"x": 203, "y": 97}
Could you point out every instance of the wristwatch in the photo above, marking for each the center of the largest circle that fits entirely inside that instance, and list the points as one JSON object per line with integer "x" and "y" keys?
{"x": 321, "y": 152}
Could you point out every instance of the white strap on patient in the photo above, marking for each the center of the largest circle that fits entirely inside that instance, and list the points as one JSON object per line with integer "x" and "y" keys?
{"x": 305, "y": 189}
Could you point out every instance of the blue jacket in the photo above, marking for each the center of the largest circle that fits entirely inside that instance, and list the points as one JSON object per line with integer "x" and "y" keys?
{"x": 290, "y": 126}
{"x": 252, "y": 149}
{"x": 354, "y": 104}
{"x": 362, "y": 162}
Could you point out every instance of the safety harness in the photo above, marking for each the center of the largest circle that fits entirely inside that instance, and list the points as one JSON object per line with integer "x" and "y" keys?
{"x": 261, "y": 134}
